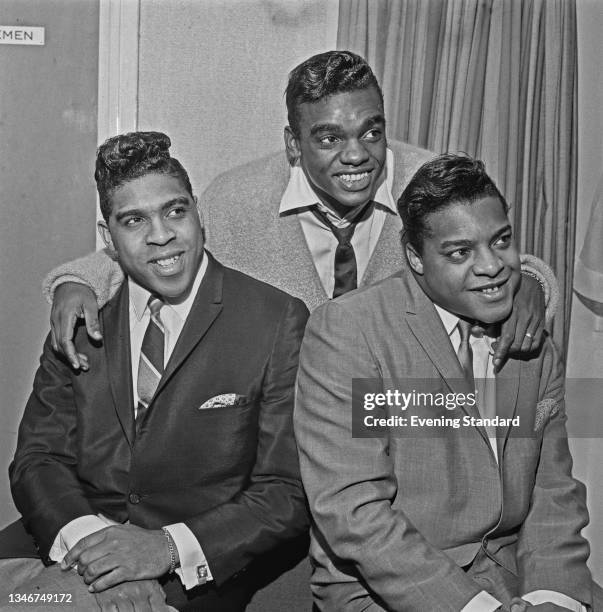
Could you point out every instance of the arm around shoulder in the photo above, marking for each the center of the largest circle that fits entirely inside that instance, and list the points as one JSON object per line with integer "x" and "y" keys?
{"x": 98, "y": 270}
{"x": 542, "y": 272}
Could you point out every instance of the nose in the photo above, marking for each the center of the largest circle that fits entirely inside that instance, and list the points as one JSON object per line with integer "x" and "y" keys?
{"x": 487, "y": 262}
{"x": 160, "y": 232}
{"x": 354, "y": 152}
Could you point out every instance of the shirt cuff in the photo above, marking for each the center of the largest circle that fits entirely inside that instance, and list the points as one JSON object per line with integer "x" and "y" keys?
{"x": 482, "y": 602}
{"x": 74, "y": 531}
{"x": 539, "y": 597}
{"x": 193, "y": 569}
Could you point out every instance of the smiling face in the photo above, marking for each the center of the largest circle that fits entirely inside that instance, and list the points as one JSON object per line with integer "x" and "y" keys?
{"x": 341, "y": 146}
{"x": 469, "y": 264}
{"x": 155, "y": 229}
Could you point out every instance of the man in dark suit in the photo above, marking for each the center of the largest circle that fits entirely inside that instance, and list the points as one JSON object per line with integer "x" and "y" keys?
{"x": 174, "y": 454}
{"x": 469, "y": 506}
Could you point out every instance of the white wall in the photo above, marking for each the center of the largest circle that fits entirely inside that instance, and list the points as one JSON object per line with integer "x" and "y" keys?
{"x": 213, "y": 74}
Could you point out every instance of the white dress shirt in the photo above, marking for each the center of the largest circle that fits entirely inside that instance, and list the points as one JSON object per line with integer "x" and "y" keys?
{"x": 173, "y": 317}
{"x": 483, "y": 372}
{"x": 299, "y": 196}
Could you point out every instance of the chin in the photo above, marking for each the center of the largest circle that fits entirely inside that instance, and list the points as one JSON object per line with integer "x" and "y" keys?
{"x": 494, "y": 315}
{"x": 357, "y": 201}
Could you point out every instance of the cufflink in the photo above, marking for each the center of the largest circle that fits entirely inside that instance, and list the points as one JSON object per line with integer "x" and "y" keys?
{"x": 202, "y": 574}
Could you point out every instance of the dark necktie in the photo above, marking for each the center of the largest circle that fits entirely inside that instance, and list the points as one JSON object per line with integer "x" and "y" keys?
{"x": 464, "y": 352}
{"x": 345, "y": 259}
{"x": 150, "y": 367}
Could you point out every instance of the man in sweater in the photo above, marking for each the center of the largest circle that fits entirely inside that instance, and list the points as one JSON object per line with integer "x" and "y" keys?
{"x": 316, "y": 222}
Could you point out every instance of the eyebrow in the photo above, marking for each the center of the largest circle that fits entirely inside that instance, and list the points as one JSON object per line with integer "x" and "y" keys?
{"x": 141, "y": 213}
{"x": 377, "y": 119}
{"x": 460, "y": 243}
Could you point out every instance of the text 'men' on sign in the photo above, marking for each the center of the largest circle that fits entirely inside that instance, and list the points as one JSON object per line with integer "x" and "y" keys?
{"x": 21, "y": 35}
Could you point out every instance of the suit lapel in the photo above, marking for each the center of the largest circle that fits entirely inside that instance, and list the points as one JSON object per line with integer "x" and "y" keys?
{"x": 507, "y": 391}
{"x": 206, "y": 307}
{"x": 428, "y": 329}
{"x": 115, "y": 319}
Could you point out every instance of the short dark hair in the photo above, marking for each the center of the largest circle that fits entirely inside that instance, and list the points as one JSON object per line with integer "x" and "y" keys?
{"x": 444, "y": 180}
{"x": 129, "y": 156}
{"x": 324, "y": 75}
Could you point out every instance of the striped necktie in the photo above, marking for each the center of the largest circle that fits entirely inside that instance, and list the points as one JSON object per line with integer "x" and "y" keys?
{"x": 150, "y": 367}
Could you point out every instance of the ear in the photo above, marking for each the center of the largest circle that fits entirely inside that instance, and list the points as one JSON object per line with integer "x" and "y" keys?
{"x": 414, "y": 259}
{"x": 291, "y": 146}
{"x": 105, "y": 234}
{"x": 201, "y": 220}
{"x": 199, "y": 212}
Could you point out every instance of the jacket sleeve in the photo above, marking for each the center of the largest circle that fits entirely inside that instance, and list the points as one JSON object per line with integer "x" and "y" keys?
{"x": 351, "y": 483}
{"x": 272, "y": 509}
{"x": 43, "y": 474}
{"x": 97, "y": 270}
{"x": 551, "y": 553}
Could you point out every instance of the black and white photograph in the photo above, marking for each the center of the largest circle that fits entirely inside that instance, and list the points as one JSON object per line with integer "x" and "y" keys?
{"x": 301, "y": 305}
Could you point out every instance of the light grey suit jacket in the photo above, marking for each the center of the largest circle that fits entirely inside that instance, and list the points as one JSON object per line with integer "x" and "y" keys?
{"x": 397, "y": 517}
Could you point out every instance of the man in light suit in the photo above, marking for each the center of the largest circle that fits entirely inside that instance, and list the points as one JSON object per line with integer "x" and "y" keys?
{"x": 172, "y": 459}
{"x": 480, "y": 513}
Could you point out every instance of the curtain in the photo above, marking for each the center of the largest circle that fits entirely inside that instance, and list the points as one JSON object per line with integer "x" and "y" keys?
{"x": 496, "y": 79}
{"x": 588, "y": 280}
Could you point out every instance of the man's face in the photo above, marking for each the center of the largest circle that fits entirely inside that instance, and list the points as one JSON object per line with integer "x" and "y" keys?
{"x": 469, "y": 265}
{"x": 341, "y": 146}
{"x": 156, "y": 232}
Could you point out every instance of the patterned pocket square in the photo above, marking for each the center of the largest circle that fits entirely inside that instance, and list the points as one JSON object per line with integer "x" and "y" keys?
{"x": 545, "y": 409}
{"x": 223, "y": 401}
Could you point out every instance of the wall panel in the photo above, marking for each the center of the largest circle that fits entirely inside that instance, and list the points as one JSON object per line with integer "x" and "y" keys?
{"x": 48, "y": 109}
{"x": 212, "y": 74}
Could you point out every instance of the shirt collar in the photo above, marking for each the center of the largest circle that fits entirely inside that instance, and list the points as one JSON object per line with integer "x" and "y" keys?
{"x": 299, "y": 192}
{"x": 139, "y": 296}
{"x": 450, "y": 322}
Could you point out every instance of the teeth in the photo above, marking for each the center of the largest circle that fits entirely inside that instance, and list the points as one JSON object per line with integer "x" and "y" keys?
{"x": 167, "y": 262}
{"x": 490, "y": 290}
{"x": 351, "y": 178}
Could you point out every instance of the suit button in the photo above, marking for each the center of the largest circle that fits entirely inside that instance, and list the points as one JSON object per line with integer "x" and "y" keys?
{"x": 134, "y": 498}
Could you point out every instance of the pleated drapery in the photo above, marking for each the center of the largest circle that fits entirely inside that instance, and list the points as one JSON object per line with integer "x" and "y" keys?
{"x": 496, "y": 79}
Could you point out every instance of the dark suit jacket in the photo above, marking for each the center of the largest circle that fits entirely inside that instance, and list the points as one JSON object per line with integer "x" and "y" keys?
{"x": 397, "y": 516}
{"x": 231, "y": 473}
